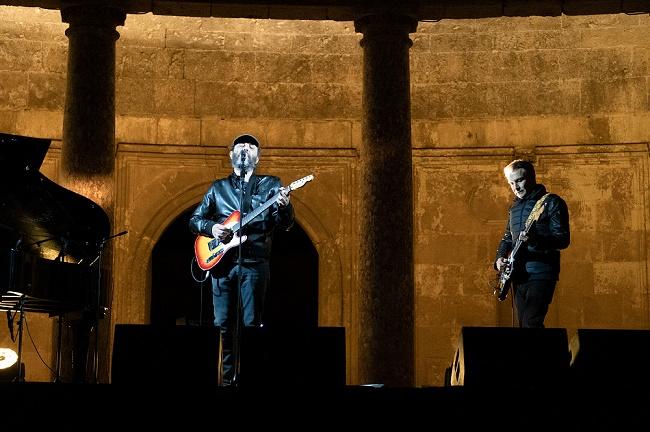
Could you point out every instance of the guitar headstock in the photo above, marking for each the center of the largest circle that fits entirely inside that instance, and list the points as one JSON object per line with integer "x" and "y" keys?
{"x": 300, "y": 182}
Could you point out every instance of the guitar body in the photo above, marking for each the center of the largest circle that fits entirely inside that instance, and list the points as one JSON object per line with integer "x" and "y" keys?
{"x": 504, "y": 282}
{"x": 209, "y": 251}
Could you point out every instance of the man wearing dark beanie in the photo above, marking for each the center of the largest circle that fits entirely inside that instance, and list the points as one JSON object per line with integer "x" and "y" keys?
{"x": 239, "y": 281}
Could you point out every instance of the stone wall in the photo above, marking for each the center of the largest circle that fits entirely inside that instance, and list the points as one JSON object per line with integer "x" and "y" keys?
{"x": 569, "y": 92}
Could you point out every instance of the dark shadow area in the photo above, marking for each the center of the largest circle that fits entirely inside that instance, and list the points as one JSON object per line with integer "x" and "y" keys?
{"x": 506, "y": 357}
{"x": 304, "y": 358}
{"x": 347, "y": 10}
{"x": 288, "y": 408}
{"x": 172, "y": 354}
{"x": 175, "y": 296}
{"x": 292, "y": 299}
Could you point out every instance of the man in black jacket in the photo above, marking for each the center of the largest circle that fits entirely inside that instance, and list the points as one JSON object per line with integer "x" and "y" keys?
{"x": 536, "y": 267}
{"x": 213, "y": 219}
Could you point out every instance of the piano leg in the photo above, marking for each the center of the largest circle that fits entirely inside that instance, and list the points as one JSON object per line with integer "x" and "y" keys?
{"x": 21, "y": 323}
{"x": 57, "y": 378}
{"x": 75, "y": 334}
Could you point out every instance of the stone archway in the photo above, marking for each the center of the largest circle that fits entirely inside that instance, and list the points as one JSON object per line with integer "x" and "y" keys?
{"x": 136, "y": 270}
{"x": 152, "y": 191}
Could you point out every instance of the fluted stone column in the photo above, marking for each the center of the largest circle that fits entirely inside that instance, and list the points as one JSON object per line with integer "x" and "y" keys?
{"x": 386, "y": 349}
{"x": 88, "y": 149}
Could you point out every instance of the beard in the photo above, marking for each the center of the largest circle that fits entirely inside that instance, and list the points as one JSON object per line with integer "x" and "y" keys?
{"x": 244, "y": 164}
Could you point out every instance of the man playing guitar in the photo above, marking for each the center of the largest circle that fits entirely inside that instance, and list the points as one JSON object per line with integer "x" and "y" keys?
{"x": 240, "y": 278}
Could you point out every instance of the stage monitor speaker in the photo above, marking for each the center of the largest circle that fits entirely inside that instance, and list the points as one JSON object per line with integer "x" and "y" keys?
{"x": 510, "y": 357}
{"x": 295, "y": 357}
{"x": 611, "y": 357}
{"x": 169, "y": 354}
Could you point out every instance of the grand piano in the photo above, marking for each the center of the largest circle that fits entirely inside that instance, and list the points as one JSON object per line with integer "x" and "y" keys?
{"x": 51, "y": 241}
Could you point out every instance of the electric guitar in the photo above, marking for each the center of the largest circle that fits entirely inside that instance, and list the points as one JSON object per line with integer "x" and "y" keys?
{"x": 503, "y": 278}
{"x": 209, "y": 251}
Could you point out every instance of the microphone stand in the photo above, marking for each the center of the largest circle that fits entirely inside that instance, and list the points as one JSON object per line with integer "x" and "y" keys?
{"x": 19, "y": 309}
{"x": 21, "y": 321}
{"x": 237, "y": 328}
{"x": 97, "y": 306}
{"x": 59, "y": 336}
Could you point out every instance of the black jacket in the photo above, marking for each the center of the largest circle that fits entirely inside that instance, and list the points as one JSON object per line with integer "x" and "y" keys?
{"x": 539, "y": 257}
{"x": 222, "y": 199}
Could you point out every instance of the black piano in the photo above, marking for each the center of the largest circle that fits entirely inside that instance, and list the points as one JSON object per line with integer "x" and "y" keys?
{"x": 50, "y": 238}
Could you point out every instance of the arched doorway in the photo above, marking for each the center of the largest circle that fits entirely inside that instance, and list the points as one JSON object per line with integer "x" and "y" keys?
{"x": 176, "y": 297}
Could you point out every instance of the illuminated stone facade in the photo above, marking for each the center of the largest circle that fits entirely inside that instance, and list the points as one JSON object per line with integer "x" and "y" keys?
{"x": 568, "y": 91}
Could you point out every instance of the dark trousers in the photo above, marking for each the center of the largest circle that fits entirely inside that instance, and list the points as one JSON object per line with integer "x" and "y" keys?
{"x": 254, "y": 282}
{"x": 532, "y": 300}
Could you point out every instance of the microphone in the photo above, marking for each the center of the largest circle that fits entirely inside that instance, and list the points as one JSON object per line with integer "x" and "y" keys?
{"x": 242, "y": 163}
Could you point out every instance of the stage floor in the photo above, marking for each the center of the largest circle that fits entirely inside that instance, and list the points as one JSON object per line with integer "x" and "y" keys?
{"x": 306, "y": 408}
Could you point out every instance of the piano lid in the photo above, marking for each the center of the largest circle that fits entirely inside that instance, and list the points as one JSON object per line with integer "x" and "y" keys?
{"x": 38, "y": 213}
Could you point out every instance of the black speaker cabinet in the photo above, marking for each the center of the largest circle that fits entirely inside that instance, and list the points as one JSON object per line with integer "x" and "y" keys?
{"x": 290, "y": 356}
{"x": 611, "y": 357}
{"x": 177, "y": 355}
{"x": 510, "y": 357}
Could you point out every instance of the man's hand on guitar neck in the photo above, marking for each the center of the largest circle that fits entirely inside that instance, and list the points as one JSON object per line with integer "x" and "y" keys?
{"x": 221, "y": 232}
{"x": 501, "y": 263}
{"x": 283, "y": 198}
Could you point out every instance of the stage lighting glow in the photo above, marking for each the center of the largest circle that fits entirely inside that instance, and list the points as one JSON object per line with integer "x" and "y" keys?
{"x": 8, "y": 358}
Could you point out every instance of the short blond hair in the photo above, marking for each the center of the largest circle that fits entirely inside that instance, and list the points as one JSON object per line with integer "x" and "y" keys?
{"x": 520, "y": 164}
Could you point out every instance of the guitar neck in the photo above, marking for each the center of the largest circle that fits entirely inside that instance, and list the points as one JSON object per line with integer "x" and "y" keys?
{"x": 252, "y": 215}
{"x": 519, "y": 242}
{"x": 255, "y": 213}
{"x": 514, "y": 250}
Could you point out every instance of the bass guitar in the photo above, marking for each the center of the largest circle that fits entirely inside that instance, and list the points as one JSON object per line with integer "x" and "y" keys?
{"x": 503, "y": 278}
{"x": 209, "y": 251}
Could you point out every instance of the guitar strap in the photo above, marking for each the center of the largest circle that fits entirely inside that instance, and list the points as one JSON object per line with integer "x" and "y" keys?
{"x": 538, "y": 204}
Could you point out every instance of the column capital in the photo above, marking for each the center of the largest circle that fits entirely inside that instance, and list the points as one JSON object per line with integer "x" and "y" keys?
{"x": 93, "y": 13}
{"x": 378, "y": 21}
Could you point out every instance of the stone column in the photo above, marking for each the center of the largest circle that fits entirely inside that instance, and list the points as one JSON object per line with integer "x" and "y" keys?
{"x": 89, "y": 116}
{"x": 386, "y": 315}
{"x": 88, "y": 149}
